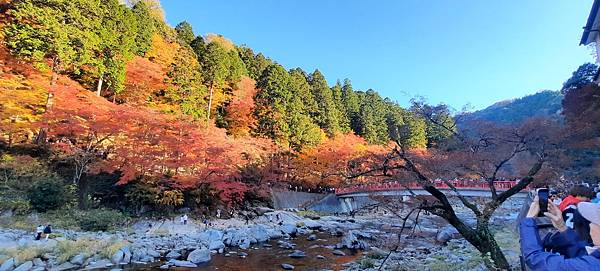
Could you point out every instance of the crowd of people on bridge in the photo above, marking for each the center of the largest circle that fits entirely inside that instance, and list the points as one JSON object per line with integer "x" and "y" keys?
{"x": 574, "y": 244}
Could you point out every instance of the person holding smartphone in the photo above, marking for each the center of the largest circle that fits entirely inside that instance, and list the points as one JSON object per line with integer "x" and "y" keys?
{"x": 581, "y": 256}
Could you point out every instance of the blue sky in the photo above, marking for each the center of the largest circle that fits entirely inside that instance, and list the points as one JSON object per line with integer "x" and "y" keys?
{"x": 457, "y": 52}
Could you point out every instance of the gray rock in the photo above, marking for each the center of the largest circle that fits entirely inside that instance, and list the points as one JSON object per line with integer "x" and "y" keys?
{"x": 311, "y": 237}
{"x": 64, "y": 266}
{"x": 311, "y": 224}
{"x": 445, "y": 234}
{"x": 25, "y": 266}
{"x": 216, "y": 245}
{"x": 199, "y": 256}
{"x": 338, "y": 253}
{"x": 173, "y": 255}
{"x": 289, "y": 229}
{"x": 117, "y": 257}
{"x": 321, "y": 257}
{"x": 297, "y": 254}
{"x": 38, "y": 262}
{"x": 245, "y": 244}
{"x": 116, "y": 269}
{"x": 78, "y": 259}
{"x": 259, "y": 232}
{"x": 8, "y": 265}
{"x": 100, "y": 264}
{"x": 164, "y": 266}
{"x": 152, "y": 253}
{"x": 210, "y": 235}
{"x": 126, "y": 254}
{"x": 351, "y": 241}
{"x": 286, "y": 266}
{"x": 183, "y": 263}
{"x": 38, "y": 268}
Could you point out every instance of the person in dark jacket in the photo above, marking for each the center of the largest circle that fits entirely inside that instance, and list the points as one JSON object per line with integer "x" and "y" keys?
{"x": 577, "y": 256}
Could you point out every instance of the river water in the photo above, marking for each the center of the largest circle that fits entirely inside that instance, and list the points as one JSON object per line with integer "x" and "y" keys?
{"x": 270, "y": 258}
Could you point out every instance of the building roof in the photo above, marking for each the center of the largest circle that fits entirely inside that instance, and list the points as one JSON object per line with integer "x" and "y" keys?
{"x": 590, "y": 31}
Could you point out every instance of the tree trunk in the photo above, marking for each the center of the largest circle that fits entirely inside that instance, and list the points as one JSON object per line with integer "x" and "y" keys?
{"x": 489, "y": 247}
{"x": 54, "y": 71}
{"x": 99, "y": 88}
{"x": 209, "y": 105}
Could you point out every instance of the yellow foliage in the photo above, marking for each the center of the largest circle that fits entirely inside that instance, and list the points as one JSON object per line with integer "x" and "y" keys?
{"x": 21, "y": 106}
{"x": 162, "y": 51}
{"x": 220, "y": 40}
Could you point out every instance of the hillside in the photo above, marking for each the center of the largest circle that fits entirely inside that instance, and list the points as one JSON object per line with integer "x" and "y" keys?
{"x": 545, "y": 103}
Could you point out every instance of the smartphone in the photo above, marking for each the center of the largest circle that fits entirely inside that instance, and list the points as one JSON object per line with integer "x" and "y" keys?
{"x": 543, "y": 194}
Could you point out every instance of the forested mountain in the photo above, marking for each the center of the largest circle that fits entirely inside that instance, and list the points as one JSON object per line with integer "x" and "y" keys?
{"x": 107, "y": 87}
{"x": 545, "y": 103}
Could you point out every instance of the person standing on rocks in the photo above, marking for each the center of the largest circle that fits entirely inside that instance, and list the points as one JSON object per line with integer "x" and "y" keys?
{"x": 185, "y": 219}
{"x": 38, "y": 232}
{"x": 48, "y": 231}
{"x": 218, "y": 213}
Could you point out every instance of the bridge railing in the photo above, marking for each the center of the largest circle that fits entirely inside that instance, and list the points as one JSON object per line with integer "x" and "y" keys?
{"x": 459, "y": 184}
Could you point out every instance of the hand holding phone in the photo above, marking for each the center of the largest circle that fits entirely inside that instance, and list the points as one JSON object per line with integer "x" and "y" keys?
{"x": 543, "y": 194}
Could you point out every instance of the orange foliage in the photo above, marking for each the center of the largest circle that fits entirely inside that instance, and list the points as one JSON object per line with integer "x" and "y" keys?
{"x": 330, "y": 162}
{"x": 239, "y": 112}
{"x": 143, "y": 79}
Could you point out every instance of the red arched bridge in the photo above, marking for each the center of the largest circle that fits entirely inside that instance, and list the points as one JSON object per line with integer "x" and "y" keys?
{"x": 468, "y": 188}
{"x": 352, "y": 198}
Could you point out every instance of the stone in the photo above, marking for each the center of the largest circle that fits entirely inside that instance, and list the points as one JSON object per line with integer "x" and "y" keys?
{"x": 100, "y": 264}
{"x": 321, "y": 257}
{"x": 38, "y": 268}
{"x": 24, "y": 266}
{"x": 183, "y": 263}
{"x": 77, "y": 259}
{"x": 286, "y": 266}
{"x": 126, "y": 254}
{"x": 297, "y": 254}
{"x": 8, "y": 265}
{"x": 289, "y": 229}
{"x": 201, "y": 255}
{"x": 117, "y": 257}
{"x": 38, "y": 262}
{"x": 243, "y": 254}
{"x": 338, "y": 253}
{"x": 153, "y": 253}
{"x": 173, "y": 255}
{"x": 216, "y": 245}
{"x": 311, "y": 237}
{"x": 210, "y": 235}
{"x": 267, "y": 245}
{"x": 116, "y": 269}
{"x": 64, "y": 266}
{"x": 259, "y": 232}
{"x": 311, "y": 224}
{"x": 164, "y": 266}
{"x": 445, "y": 234}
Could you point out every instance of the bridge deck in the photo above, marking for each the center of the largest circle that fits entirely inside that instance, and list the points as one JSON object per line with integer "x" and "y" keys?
{"x": 465, "y": 188}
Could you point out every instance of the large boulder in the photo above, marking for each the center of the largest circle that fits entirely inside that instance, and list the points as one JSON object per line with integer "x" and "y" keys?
{"x": 173, "y": 255}
{"x": 351, "y": 241}
{"x": 216, "y": 245}
{"x": 445, "y": 234}
{"x": 201, "y": 255}
{"x": 311, "y": 224}
{"x": 288, "y": 229}
{"x": 259, "y": 232}
{"x": 183, "y": 263}
{"x": 8, "y": 265}
{"x": 210, "y": 235}
{"x": 117, "y": 258}
{"x": 77, "y": 259}
{"x": 25, "y": 266}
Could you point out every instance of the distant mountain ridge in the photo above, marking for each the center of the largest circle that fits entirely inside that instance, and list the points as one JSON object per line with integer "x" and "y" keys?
{"x": 546, "y": 103}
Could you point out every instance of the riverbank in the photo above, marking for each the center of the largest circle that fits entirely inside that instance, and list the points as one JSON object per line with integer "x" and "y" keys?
{"x": 273, "y": 241}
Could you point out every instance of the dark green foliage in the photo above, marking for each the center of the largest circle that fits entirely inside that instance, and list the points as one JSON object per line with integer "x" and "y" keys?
{"x": 101, "y": 220}
{"x": 255, "y": 63}
{"x": 342, "y": 117}
{"x": 48, "y": 195}
{"x": 328, "y": 115}
{"x": 584, "y": 75}
{"x": 371, "y": 120}
{"x": 144, "y": 28}
{"x": 351, "y": 104}
{"x": 439, "y": 121}
{"x": 185, "y": 33}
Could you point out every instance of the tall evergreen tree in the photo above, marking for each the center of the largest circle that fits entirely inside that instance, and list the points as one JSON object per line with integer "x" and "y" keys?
{"x": 271, "y": 98}
{"x": 255, "y": 63}
{"x": 351, "y": 104}
{"x": 327, "y": 117}
{"x": 144, "y": 29}
{"x": 372, "y": 118}
{"x": 185, "y": 33}
{"x": 342, "y": 117}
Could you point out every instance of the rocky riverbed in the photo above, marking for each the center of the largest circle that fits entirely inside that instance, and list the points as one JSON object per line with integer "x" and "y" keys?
{"x": 277, "y": 240}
